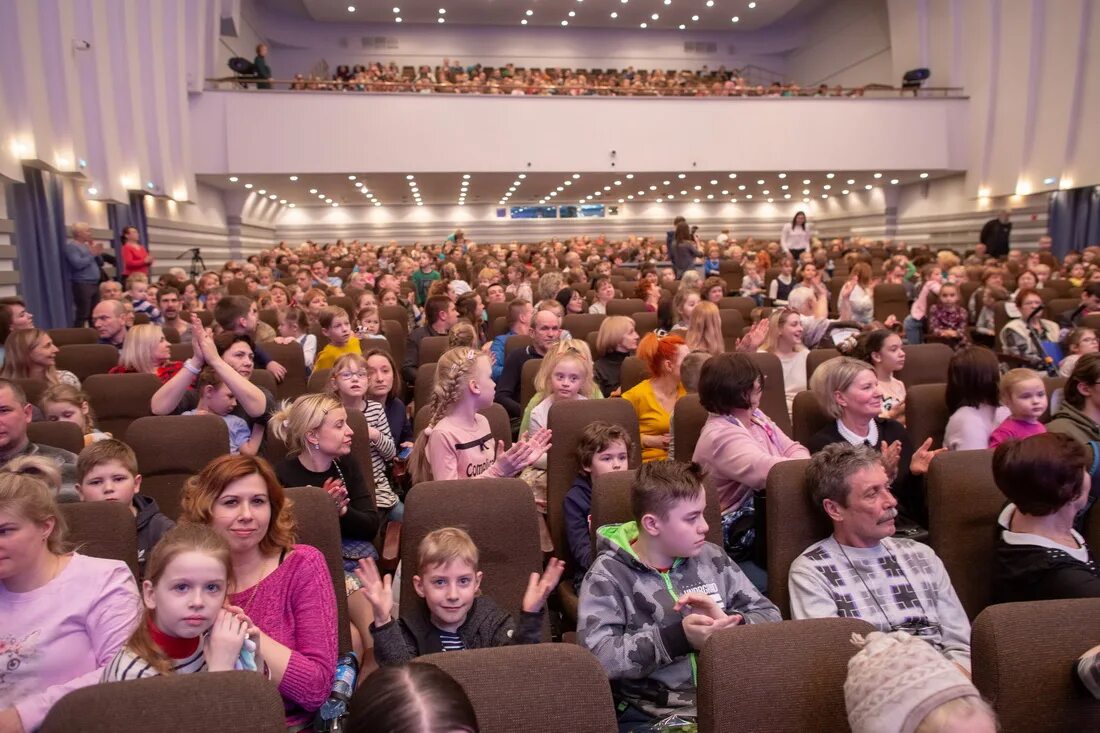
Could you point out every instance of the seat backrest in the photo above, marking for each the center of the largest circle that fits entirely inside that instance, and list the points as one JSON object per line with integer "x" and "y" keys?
{"x": 568, "y": 421}
{"x": 807, "y": 417}
{"x": 425, "y": 384}
{"x": 773, "y": 401}
{"x": 499, "y": 515}
{"x": 1052, "y": 384}
{"x": 319, "y": 526}
{"x": 687, "y": 424}
{"x": 346, "y": 303}
{"x": 65, "y": 336}
{"x": 171, "y": 334}
{"x": 925, "y": 364}
{"x": 582, "y": 324}
{"x": 84, "y": 360}
{"x": 926, "y": 413}
{"x": 119, "y": 399}
{"x": 625, "y": 306}
{"x": 431, "y": 348}
{"x": 180, "y": 351}
{"x": 733, "y": 322}
{"x": 499, "y": 422}
{"x": 793, "y": 524}
{"x": 516, "y": 342}
{"x": 102, "y": 529}
{"x": 497, "y": 310}
{"x": 1058, "y": 306}
{"x": 1001, "y": 317}
{"x": 739, "y": 303}
{"x": 1023, "y": 654}
{"x": 512, "y": 687}
{"x": 318, "y": 381}
{"x": 890, "y": 300}
{"x": 806, "y": 669}
{"x": 290, "y": 356}
{"x": 963, "y": 504}
{"x": 57, "y": 433}
{"x": 611, "y": 505}
{"x": 527, "y": 381}
{"x": 816, "y": 358}
{"x": 33, "y": 388}
{"x": 194, "y": 703}
{"x": 633, "y": 371}
{"x": 396, "y": 338}
{"x": 394, "y": 313}
{"x": 264, "y": 378}
{"x": 644, "y": 322}
{"x": 171, "y": 449}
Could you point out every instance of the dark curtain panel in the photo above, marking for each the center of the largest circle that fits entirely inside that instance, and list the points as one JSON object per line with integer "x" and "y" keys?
{"x": 1074, "y": 219}
{"x": 39, "y": 212}
{"x": 118, "y": 218}
{"x": 137, "y": 217}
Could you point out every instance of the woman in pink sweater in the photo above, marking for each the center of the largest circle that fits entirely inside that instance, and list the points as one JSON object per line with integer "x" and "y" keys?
{"x": 738, "y": 445}
{"x": 285, "y": 588}
{"x": 458, "y": 442}
{"x": 63, "y": 615}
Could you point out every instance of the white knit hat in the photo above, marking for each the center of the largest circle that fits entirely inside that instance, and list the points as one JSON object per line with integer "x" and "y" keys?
{"x": 896, "y": 680}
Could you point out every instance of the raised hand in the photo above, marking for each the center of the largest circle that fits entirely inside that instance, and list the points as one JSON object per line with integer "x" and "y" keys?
{"x": 922, "y": 458}
{"x": 539, "y": 587}
{"x": 752, "y": 340}
{"x": 277, "y": 370}
{"x": 377, "y": 590}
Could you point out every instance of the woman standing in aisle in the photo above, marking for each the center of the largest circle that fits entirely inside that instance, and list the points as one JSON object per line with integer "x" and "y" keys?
{"x": 795, "y": 237}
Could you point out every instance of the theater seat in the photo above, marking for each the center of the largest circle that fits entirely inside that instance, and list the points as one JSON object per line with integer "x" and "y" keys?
{"x": 185, "y": 703}
{"x": 103, "y": 529}
{"x": 644, "y": 322}
{"x": 802, "y": 663}
{"x": 516, "y": 342}
{"x": 925, "y": 364}
{"x": 773, "y": 400}
{"x": 318, "y": 381}
{"x": 963, "y": 504}
{"x": 65, "y": 336}
{"x": 171, "y": 449}
{"x": 611, "y": 505}
{"x": 807, "y": 417}
{"x": 425, "y": 384}
{"x": 1023, "y": 656}
{"x": 57, "y": 433}
{"x": 926, "y": 413}
{"x": 431, "y": 348}
{"x": 319, "y": 526}
{"x": 816, "y": 358}
{"x": 793, "y": 524}
{"x": 499, "y": 514}
{"x": 633, "y": 371}
{"x": 527, "y": 381}
{"x": 625, "y": 306}
{"x": 687, "y": 424}
{"x": 119, "y": 399}
{"x": 579, "y": 325}
{"x": 84, "y": 360}
{"x": 290, "y": 356}
{"x": 740, "y": 303}
{"x": 32, "y": 388}
{"x": 557, "y": 687}
{"x": 733, "y": 323}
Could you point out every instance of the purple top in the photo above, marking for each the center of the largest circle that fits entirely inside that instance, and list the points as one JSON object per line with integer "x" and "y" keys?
{"x": 296, "y": 606}
{"x": 1014, "y": 429}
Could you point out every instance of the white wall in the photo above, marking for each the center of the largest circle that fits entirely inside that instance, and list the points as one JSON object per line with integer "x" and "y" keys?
{"x": 8, "y": 270}
{"x": 846, "y": 42}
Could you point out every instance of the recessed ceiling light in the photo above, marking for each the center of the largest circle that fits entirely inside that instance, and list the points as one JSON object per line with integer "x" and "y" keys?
{"x": 868, "y": 187}
{"x": 572, "y": 13}
{"x": 282, "y": 201}
{"x": 741, "y": 187}
{"x": 351, "y": 8}
{"x": 261, "y": 192}
{"x": 784, "y": 187}
{"x": 695, "y": 18}
{"x": 736, "y": 19}
{"x": 806, "y": 181}
{"x": 320, "y": 195}
{"x": 894, "y": 181}
{"x": 614, "y": 15}
{"x": 782, "y": 175}
{"x": 358, "y": 184}
{"x": 313, "y": 190}
{"x": 565, "y": 22}
{"x": 878, "y": 175}
{"x": 786, "y": 195}
{"x": 759, "y": 181}
{"x": 397, "y": 10}
{"x": 292, "y": 205}
{"x": 530, "y": 13}
{"x": 92, "y": 191}
{"x": 845, "y": 191}
{"x": 441, "y": 20}
{"x": 397, "y": 19}
{"x": 294, "y": 178}
{"x": 442, "y": 11}
{"x": 748, "y": 196}
{"x": 232, "y": 179}
{"x": 710, "y": 3}
{"x": 576, "y": 176}
{"x": 643, "y": 25}
{"x": 924, "y": 175}
{"x": 765, "y": 192}
{"x": 567, "y": 183}
{"x": 682, "y": 26}
{"x": 328, "y": 201}
{"x": 851, "y": 181}
{"x": 805, "y": 190}
{"x": 826, "y": 187}
{"x": 829, "y": 175}
{"x": 752, "y": 5}
{"x": 654, "y": 17}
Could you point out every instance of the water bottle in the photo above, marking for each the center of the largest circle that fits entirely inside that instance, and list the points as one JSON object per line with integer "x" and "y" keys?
{"x": 336, "y": 706}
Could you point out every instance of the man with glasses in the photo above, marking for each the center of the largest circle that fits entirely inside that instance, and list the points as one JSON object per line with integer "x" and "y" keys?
{"x": 545, "y": 332}
{"x": 862, "y": 571}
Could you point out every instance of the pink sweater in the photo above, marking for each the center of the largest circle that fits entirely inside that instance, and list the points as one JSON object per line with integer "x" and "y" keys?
{"x": 738, "y": 456}
{"x": 58, "y": 638}
{"x": 296, "y": 607}
{"x": 1013, "y": 429}
{"x": 920, "y": 306}
{"x": 461, "y": 451}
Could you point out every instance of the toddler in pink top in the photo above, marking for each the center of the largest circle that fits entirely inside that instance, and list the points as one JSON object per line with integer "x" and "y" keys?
{"x": 1025, "y": 395}
{"x": 458, "y": 442}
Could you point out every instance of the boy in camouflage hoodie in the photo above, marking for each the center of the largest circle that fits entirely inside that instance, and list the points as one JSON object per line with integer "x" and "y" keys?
{"x": 657, "y": 590}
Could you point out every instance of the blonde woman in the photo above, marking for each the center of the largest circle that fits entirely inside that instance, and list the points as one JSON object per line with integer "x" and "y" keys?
{"x": 784, "y": 340}
{"x": 617, "y": 339}
{"x": 704, "y": 332}
{"x": 31, "y": 354}
{"x": 146, "y": 351}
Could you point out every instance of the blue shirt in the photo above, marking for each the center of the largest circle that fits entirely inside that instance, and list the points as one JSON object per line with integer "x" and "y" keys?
{"x": 83, "y": 265}
{"x": 497, "y": 350}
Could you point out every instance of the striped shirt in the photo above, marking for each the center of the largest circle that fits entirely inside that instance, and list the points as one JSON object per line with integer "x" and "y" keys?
{"x": 380, "y": 453}
{"x": 450, "y": 640}
{"x": 129, "y": 666}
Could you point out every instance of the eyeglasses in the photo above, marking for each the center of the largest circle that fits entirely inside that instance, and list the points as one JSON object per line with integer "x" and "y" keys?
{"x": 361, "y": 374}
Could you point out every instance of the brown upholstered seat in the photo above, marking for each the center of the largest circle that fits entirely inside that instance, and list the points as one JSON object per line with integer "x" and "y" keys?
{"x": 963, "y": 504}
{"x": 773, "y": 401}
{"x": 802, "y": 663}
{"x": 793, "y": 524}
{"x": 926, "y": 413}
{"x": 890, "y": 300}
{"x": 394, "y": 313}
{"x": 57, "y": 433}
{"x": 532, "y": 687}
{"x": 396, "y": 337}
{"x": 32, "y": 388}
{"x": 740, "y": 303}
{"x": 431, "y": 348}
{"x": 501, "y": 518}
{"x": 290, "y": 356}
{"x": 633, "y": 371}
{"x": 687, "y": 424}
{"x": 425, "y": 383}
{"x": 172, "y": 448}
{"x": 318, "y": 381}
{"x": 185, "y": 703}
{"x": 816, "y": 358}
{"x": 807, "y": 417}
{"x": 644, "y": 322}
{"x": 527, "y": 381}
{"x": 171, "y": 334}
{"x": 84, "y": 360}
{"x": 733, "y": 322}
{"x": 180, "y": 352}
{"x": 346, "y": 303}
{"x": 496, "y": 310}
{"x": 65, "y": 336}
{"x": 319, "y": 526}
{"x": 568, "y": 421}
{"x": 102, "y": 529}
{"x": 1023, "y": 654}
{"x": 625, "y": 306}
{"x": 119, "y": 399}
{"x": 611, "y": 505}
{"x": 264, "y": 378}
{"x": 579, "y": 325}
{"x": 499, "y": 422}
{"x": 925, "y": 364}
{"x": 516, "y": 342}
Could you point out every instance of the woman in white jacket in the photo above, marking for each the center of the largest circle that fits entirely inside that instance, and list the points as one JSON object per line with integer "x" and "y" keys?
{"x": 795, "y": 237}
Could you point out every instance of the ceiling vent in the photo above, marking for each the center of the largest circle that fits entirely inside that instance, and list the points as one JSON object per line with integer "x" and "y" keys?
{"x": 700, "y": 47}
{"x": 378, "y": 42}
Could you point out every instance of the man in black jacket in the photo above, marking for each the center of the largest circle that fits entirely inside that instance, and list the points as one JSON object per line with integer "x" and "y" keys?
{"x": 995, "y": 234}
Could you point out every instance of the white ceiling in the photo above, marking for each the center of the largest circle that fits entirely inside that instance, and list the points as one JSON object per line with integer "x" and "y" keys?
{"x": 710, "y": 15}
{"x": 395, "y": 189}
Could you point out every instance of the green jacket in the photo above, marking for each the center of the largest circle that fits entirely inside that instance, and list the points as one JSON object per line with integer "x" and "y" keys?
{"x": 1074, "y": 423}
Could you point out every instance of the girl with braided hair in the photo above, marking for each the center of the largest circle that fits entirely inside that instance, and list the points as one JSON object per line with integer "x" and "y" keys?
{"x": 458, "y": 442}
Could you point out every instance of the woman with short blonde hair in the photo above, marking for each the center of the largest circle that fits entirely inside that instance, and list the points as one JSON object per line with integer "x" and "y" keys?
{"x": 616, "y": 340}
{"x": 146, "y": 351}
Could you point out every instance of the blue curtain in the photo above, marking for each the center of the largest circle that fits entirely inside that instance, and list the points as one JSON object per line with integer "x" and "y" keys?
{"x": 137, "y": 217}
{"x": 120, "y": 216}
{"x": 1074, "y": 219}
{"x": 39, "y": 212}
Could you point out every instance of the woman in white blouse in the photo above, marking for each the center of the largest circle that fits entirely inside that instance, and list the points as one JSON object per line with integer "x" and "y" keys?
{"x": 795, "y": 237}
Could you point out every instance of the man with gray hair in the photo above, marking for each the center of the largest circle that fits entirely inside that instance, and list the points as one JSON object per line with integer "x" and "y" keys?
{"x": 861, "y": 570}
{"x": 82, "y": 255}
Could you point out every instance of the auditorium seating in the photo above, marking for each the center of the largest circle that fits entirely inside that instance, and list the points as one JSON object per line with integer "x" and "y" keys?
{"x": 102, "y": 529}
{"x": 773, "y": 399}
{"x": 65, "y": 336}
{"x": 611, "y": 505}
{"x": 925, "y": 364}
{"x": 119, "y": 399}
{"x": 290, "y": 356}
{"x": 793, "y": 524}
{"x": 84, "y": 360}
{"x": 926, "y": 413}
{"x": 687, "y": 424}
{"x": 57, "y": 433}
{"x": 431, "y": 348}
{"x": 172, "y": 448}
{"x": 634, "y": 370}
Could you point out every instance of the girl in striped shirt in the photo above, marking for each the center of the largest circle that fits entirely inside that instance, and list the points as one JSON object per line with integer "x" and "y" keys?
{"x": 185, "y": 627}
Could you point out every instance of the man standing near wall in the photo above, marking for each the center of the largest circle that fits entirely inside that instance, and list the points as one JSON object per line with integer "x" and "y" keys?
{"x": 995, "y": 234}
{"x": 82, "y": 254}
